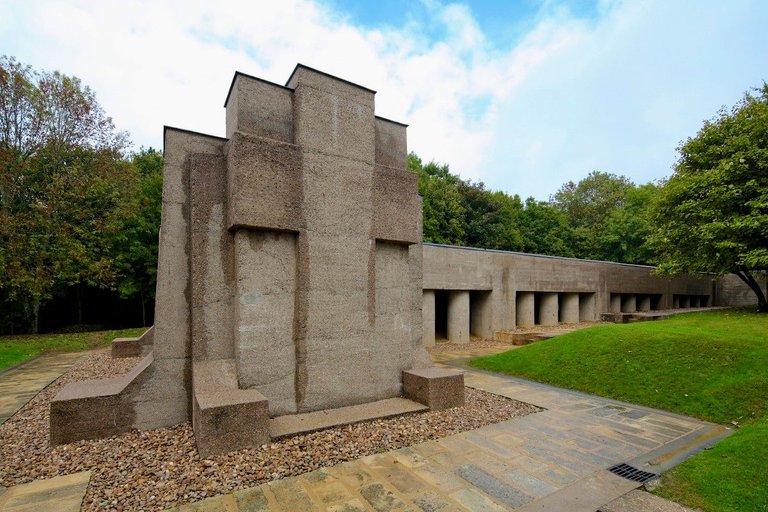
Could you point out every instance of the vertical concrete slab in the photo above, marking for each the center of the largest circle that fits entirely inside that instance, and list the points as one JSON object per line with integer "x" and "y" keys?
{"x": 458, "y": 316}
{"x": 615, "y": 303}
{"x": 428, "y": 318}
{"x": 569, "y": 308}
{"x": 695, "y": 301}
{"x": 211, "y": 260}
{"x": 265, "y": 297}
{"x": 587, "y": 307}
{"x": 675, "y": 302}
{"x": 643, "y": 302}
{"x": 628, "y": 302}
{"x": 391, "y": 344}
{"x": 685, "y": 301}
{"x": 525, "y": 309}
{"x": 548, "y": 308}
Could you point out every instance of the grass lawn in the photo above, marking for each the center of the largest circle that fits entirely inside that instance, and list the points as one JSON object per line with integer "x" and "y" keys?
{"x": 711, "y": 365}
{"x": 15, "y": 349}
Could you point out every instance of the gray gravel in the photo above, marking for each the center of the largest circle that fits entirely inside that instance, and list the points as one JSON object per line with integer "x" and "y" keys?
{"x": 158, "y": 469}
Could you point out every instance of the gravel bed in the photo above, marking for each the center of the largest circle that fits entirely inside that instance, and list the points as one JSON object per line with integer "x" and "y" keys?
{"x": 159, "y": 469}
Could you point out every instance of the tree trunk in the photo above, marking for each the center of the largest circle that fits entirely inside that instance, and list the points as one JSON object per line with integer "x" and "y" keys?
{"x": 749, "y": 280}
{"x": 143, "y": 310}
{"x": 35, "y": 314}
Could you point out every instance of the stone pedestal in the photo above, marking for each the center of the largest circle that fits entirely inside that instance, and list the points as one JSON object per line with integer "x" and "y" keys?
{"x": 437, "y": 388}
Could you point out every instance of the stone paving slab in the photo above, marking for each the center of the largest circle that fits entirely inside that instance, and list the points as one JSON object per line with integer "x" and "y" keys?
{"x": 59, "y": 494}
{"x": 18, "y": 385}
{"x": 554, "y": 460}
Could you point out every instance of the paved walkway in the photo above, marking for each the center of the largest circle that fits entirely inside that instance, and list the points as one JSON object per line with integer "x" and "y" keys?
{"x": 19, "y": 384}
{"x": 555, "y": 460}
{"x": 59, "y": 494}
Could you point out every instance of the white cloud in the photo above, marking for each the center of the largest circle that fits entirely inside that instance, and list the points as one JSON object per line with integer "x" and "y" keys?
{"x": 615, "y": 93}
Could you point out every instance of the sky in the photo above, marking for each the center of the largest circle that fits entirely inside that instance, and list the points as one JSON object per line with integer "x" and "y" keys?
{"x": 524, "y": 95}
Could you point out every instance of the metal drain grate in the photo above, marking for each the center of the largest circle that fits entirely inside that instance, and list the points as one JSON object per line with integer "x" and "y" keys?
{"x": 630, "y": 473}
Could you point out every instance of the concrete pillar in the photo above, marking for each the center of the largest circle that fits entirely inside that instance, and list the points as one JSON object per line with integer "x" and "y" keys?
{"x": 695, "y": 301}
{"x": 525, "y": 309}
{"x": 481, "y": 315}
{"x": 643, "y": 302}
{"x": 587, "y": 307}
{"x": 428, "y": 318}
{"x": 458, "y": 316}
{"x": 628, "y": 302}
{"x": 615, "y": 303}
{"x": 704, "y": 301}
{"x": 675, "y": 301}
{"x": 569, "y": 308}
{"x": 548, "y": 308}
{"x": 685, "y": 301}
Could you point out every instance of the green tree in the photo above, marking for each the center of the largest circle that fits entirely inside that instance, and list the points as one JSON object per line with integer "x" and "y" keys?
{"x": 444, "y": 212}
{"x": 587, "y": 205}
{"x": 546, "y": 230}
{"x": 712, "y": 213}
{"x": 135, "y": 245}
{"x": 492, "y": 218}
{"x": 63, "y": 182}
{"x": 627, "y": 227}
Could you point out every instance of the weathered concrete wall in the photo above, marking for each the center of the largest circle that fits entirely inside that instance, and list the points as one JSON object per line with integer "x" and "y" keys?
{"x": 289, "y": 275}
{"x": 522, "y": 289}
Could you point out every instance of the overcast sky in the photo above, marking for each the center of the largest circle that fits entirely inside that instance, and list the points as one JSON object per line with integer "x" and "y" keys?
{"x": 522, "y": 94}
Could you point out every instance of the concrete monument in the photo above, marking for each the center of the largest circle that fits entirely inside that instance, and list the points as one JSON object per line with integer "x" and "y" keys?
{"x": 289, "y": 275}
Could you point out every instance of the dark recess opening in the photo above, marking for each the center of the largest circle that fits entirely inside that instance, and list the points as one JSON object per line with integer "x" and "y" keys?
{"x": 441, "y": 314}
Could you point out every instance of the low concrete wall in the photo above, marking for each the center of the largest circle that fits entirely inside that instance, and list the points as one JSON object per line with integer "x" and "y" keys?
{"x": 522, "y": 290}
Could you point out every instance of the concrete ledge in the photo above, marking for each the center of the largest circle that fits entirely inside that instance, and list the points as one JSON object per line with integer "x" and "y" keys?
{"x": 133, "y": 347}
{"x": 437, "y": 388}
{"x": 309, "y": 422}
{"x": 94, "y": 409}
{"x": 224, "y": 417}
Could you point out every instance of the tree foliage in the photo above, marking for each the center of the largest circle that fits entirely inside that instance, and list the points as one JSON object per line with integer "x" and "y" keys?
{"x": 63, "y": 186}
{"x": 712, "y": 213}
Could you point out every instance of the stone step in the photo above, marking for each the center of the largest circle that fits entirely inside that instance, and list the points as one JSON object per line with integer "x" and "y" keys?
{"x": 291, "y": 424}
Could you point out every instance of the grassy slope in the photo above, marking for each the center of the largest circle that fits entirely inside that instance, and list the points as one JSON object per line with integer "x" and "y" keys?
{"x": 712, "y": 365}
{"x": 15, "y": 349}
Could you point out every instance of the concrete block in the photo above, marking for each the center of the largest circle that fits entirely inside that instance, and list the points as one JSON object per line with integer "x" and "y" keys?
{"x": 230, "y": 420}
{"x": 548, "y": 308}
{"x": 643, "y": 302}
{"x": 263, "y": 184}
{"x": 396, "y": 203}
{"x": 481, "y": 314}
{"x": 525, "y": 309}
{"x": 569, "y": 308}
{"x": 224, "y": 417}
{"x": 437, "y": 388}
{"x": 133, "y": 347}
{"x": 261, "y": 108}
{"x": 391, "y": 146}
{"x": 458, "y": 316}
{"x": 695, "y": 301}
{"x": 332, "y": 116}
